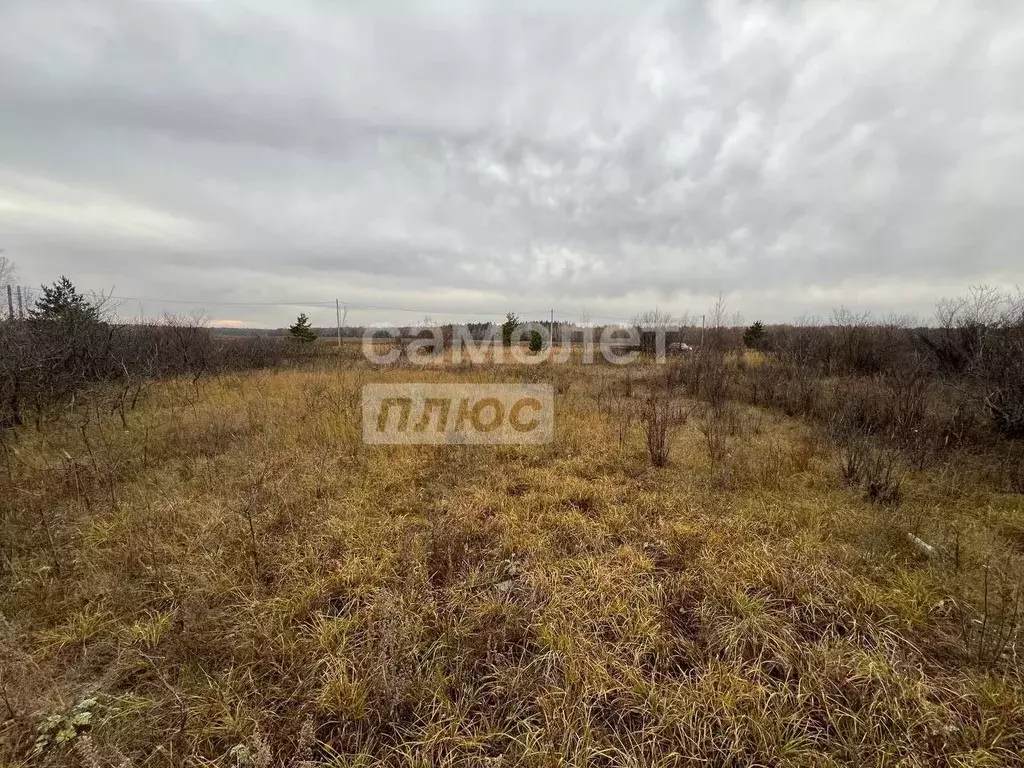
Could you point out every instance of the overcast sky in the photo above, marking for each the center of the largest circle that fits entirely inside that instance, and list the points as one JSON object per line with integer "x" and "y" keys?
{"x": 464, "y": 158}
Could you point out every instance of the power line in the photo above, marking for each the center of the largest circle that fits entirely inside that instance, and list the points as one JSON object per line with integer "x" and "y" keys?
{"x": 321, "y": 304}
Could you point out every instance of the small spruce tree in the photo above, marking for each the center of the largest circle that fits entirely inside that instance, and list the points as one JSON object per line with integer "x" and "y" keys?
{"x": 536, "y": 341}
{"x": 753, "y": 337}
{"x": 508, "y": 328}
{"x": 60, "y": 300}
{"x": 302, "y": 331}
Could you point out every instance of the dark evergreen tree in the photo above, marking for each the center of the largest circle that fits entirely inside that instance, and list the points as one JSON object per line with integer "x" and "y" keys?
{"x": 61, "y": 300}
{"x": 302, "y": 331}
{"x": 508, "y": 328}
{"x": 753, "y": 337}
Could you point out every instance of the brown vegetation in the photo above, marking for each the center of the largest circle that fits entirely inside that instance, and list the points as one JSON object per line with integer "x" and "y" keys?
{"x": 807, "y": 556}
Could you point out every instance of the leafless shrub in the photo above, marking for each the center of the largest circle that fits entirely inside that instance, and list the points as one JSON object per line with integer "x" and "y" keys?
{"x": 907, "y": 398}
{"x": 50, "y": 363}
{"x": 614, "y": 400}
{"x": 874, "y": 469}
{"x": 802, "y": 345}
{"x": 863, "y": 346}
{"x": 732, "y": 419}
{"x": 703, "y": 376}
{"x": 882, "y": 484}
{"x": 802, "y": 392}
{"x": 760, "y": 385}
{"x": 964, "y": 324}
{"x": 657, "y": 330}
{"x": 852, "y": 464}
{"x": 625, "y": 412}
{"x": 660, "y": 416}
{"x": 850, "y": 345}
{"x": 1001, "y": 375}
{"x": 715, "y": 430}
{"x": 713, "y": 377}
{"x": 858, "y": 410}
{"x": 980, "y": 340}
{"x": 249, "y": 513}
{"x": 657, "y": 420}
{"x": 704, "y": 373}
{"x": 990, "y": 635}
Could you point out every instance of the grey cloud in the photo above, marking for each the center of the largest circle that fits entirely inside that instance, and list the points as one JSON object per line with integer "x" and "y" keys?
{"x": 486, "y": 155}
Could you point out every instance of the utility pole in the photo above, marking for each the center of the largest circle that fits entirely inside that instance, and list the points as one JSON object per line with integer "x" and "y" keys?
{"x": 551, "y": 330}
{"x": 21, "y": 305}
{"x": 337, "y": 311}
{"x": 10, "y": 301}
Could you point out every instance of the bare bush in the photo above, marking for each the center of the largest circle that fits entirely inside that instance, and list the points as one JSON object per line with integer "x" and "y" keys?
{"x": 964, "y": 325}
{"x": 657, "y": 330}
{"x": 715, "y": 429}
{"x": 660, "y": 417}
{"x": 862, "y": 346}
{"x": 874, "y": 469}
{"x": 995, "y": 629}
{"x": 703, "y": 376}
{"x": 50, "y": 362}
{"x": 1001, "y": 376}
{"x": 923, "y": 390}
{"x": 979, "y": 345}
{"x": 625, "y": 413}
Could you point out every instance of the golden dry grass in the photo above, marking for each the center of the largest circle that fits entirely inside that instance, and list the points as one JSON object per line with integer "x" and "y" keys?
{"x": 236, "y": 566}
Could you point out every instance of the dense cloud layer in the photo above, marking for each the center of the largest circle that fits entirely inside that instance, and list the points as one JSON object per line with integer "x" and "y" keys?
{"x": 469, "y": 157}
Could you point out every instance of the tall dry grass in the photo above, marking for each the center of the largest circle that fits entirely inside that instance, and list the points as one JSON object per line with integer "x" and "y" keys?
{"x": 233, "y": 578}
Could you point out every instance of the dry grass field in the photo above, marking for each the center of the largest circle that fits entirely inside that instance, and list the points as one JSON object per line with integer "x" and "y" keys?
{"x": 234, "y": 579}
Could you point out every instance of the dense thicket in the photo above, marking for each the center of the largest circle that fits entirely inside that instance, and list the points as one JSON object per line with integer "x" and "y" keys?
{"x": 958, "y": 383}
{"x": 49, "y": 360}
